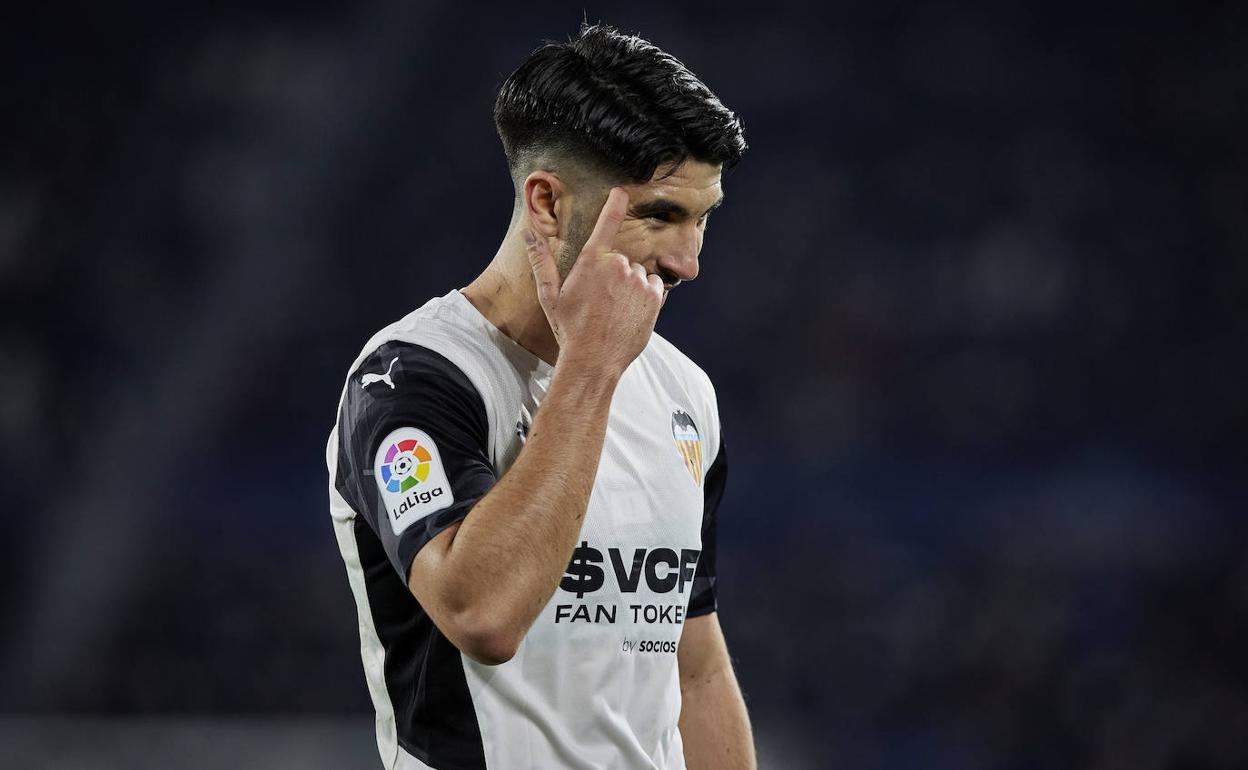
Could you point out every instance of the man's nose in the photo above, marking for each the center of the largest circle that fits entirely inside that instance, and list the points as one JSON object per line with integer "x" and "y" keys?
{"x": 681, "y": 259}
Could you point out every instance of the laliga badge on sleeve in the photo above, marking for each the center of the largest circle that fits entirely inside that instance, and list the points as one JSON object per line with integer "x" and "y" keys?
{"x": 410, "y": 477}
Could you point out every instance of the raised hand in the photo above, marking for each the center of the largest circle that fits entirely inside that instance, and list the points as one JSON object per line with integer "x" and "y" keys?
{"x": 603, "y": 313}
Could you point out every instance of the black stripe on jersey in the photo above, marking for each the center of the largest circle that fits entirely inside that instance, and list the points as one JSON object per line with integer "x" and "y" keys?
{"x": 703, "y": 597}
{"x": 433, "y": 712}
{"x": 434, "y": 717}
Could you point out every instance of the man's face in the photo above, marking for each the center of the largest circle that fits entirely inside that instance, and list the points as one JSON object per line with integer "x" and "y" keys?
{"x": 664, "y": 226}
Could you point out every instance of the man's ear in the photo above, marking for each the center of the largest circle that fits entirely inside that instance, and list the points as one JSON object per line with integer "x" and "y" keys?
{"x": 542, "y": 193}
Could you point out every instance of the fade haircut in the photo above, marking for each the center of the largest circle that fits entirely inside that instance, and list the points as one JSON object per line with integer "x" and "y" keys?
{"x": 615, "y": 105}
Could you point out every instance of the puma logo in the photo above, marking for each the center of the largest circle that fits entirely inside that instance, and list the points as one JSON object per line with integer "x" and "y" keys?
{"x": 370, "y": 378}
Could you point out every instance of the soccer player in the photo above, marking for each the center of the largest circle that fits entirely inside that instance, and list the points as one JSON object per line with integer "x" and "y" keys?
{"x": 524, "y": 477}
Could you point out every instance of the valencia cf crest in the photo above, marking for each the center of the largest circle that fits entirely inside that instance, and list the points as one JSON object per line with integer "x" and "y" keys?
{"x": 689, "y": 442}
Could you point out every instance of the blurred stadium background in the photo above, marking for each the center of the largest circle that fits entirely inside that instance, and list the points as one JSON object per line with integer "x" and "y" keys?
{"x": 975, "y": 307}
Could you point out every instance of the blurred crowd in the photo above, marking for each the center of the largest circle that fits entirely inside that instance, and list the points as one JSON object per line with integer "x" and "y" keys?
{"x": 974, "y": 307}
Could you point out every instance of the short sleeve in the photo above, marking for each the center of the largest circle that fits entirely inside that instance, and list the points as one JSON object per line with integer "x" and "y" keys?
{"x": 703, "y": 598}
{"x": 413, "y": 447}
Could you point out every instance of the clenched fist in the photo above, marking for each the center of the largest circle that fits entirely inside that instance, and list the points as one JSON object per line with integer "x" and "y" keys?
{"x": 603, "y": 313}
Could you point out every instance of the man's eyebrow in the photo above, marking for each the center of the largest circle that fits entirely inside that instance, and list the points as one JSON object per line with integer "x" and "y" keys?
{"x": 666, "y": 206}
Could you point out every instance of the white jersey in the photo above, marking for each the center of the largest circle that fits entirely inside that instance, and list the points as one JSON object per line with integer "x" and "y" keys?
{"x": 435, "y": 409}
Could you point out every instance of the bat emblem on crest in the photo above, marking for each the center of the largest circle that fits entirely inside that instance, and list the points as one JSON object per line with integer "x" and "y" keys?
{"x": 689, "y": 443}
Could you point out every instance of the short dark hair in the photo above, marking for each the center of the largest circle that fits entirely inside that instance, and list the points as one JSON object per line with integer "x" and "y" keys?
{"x": 616, "y": 103}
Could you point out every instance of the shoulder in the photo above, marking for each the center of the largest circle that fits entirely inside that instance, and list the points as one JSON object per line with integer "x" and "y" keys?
{"x": 425, "y": 362}
{"x": 702, "y": 403}
{"x": 396, "y": 368}
{"x": 434, "y": 326}
{"x": 405, "y": 382}
{"x": 682, "y": 366}
{"x": 439, "y": 339}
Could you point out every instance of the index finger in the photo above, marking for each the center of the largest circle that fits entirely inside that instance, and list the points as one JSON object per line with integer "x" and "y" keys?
{"x": 609, "y": 222}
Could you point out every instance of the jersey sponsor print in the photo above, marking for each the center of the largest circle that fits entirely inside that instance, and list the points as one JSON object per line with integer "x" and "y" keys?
{"x": 660, "y": 570}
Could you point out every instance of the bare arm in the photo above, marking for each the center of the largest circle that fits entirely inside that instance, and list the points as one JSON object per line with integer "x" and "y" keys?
{"x": 714, "y": 723}
{"x": 484, "y": 581}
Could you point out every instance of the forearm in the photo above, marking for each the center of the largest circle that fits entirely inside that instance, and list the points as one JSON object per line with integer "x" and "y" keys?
{"x": 507, "y": 557}
{"x": 484, "y": 580}
{"x": 714, "y": 724}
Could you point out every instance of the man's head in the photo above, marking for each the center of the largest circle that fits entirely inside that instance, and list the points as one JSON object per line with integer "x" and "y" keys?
{"x": 608, "y": 109}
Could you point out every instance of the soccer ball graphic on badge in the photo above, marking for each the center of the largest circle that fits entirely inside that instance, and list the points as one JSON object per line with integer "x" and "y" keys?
{"x": 407, "y": 464}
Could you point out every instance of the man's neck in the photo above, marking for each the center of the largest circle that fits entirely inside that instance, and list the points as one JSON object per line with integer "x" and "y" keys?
{"x": 505, "y": 294}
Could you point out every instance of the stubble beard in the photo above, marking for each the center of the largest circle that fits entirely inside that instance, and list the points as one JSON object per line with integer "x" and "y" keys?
{"x": 570, "y": 249}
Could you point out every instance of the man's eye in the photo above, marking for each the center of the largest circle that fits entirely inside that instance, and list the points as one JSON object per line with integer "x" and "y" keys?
{"x": 661, "y": 216}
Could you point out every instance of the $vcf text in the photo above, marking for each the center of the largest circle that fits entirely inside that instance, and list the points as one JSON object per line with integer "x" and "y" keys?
{"x": 661, "y": 570}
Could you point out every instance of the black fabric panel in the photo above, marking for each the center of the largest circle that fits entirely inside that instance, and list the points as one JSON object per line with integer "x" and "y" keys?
{"x": 434, "y": 716}
{"x": 703, "y": 598}
{"x": 433, "y": 711}
{"x": 432, "y": 394}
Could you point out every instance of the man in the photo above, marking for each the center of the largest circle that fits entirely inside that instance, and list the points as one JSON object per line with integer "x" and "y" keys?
{"x": 524, "y": 478}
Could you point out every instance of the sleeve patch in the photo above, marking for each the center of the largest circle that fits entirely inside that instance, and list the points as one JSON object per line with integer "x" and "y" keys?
{"x": 410, "y": 477}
